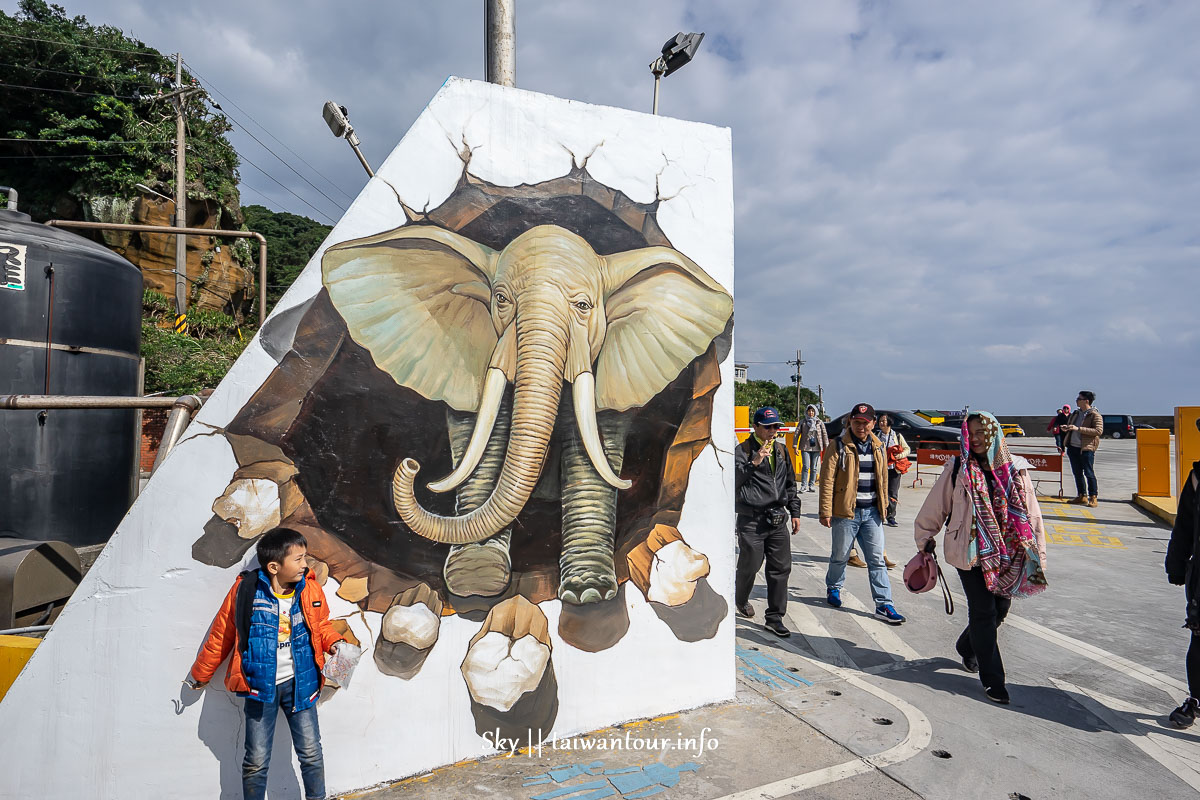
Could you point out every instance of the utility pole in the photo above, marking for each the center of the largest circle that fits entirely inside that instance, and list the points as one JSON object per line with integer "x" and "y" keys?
{"x": 500, "y": 41}
{"x": 180, "y": 192}
{"x": 799, "y": 362}
{"x": 820, "y": 400}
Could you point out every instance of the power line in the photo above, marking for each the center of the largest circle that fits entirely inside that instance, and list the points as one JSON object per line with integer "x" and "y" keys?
{"x": 68, "y": 74}
{"x": 90, "y": 141}
{"x": 69, "y": 91}
{"x": 76, "y": 155}
{"x": 266, "y": 131}
{"x": 286, "y": 189}
{"x": 127, "y": 51}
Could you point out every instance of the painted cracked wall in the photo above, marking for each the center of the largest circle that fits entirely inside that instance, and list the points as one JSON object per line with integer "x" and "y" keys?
{"x": 496, "y": 404}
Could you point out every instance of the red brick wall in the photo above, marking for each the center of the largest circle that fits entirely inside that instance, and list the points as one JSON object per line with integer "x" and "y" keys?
{"x": 154, "y": 422}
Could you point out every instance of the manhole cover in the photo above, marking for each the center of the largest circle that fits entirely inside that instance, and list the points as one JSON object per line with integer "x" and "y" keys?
{"x": 882, "y": 721}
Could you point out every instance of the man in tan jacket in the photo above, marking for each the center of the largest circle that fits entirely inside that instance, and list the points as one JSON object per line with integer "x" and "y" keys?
{"x": 1083, "y": 430}
{"x": 853, "y": 502}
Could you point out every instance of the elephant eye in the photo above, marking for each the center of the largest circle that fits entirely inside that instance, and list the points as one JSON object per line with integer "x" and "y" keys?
{"x": 582, "y": 305}
{"x": 501, "y": 298}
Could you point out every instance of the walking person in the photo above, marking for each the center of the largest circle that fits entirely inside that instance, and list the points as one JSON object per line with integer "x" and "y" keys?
{"x": 811, "y": 439}
{"x": 768, "y": 514}
{"x": 1083, "y": 430}
{"x": 1183, "y": 570}
{"x": 994, "y": 537}
{"x": 853, "y": 502}
{"x": 896, "y": 449}
{"x": 1055, "y": 427}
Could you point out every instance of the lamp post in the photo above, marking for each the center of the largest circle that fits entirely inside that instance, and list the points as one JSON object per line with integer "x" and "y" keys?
{"x": 678, "y": 51}
{"x": 338, "y": 120}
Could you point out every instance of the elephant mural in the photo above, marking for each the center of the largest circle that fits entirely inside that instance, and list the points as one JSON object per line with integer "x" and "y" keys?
{"x": 491, "y": 406}
{"x": 554, "y": 320}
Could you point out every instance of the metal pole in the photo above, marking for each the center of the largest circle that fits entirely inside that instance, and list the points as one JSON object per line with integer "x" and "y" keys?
{"x": 799, "y": 415}
{"x": 177, "y": 422}
{"x": 501, "y": 41}
{"x": 181, "y": 232}
{"x": 820, "y": 400}
{"x": 657, "y": 78}
{"x": 25, "y": 402}
{"x": 180, "y": 193}
{"x": 352, "y": 138}
{"x": 12, "y": 197}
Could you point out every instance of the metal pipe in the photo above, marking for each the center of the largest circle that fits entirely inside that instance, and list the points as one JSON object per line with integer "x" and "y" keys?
{"x": 180, "y": 193}
{"x": 26, "y": 629}
{"x": 39, "y": 401}
{"x": 501, "y": 41}
{"x": 177, "y": 422}
{"x": 12, "y": 197}
{"x": 120, "y": 226}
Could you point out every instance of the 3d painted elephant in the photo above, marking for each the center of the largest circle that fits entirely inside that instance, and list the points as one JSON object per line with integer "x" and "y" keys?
{"x": 540, "y": 342}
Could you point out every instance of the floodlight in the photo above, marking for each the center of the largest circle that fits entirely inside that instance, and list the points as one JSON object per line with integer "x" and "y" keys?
{"x": 677, "y": 52}
{"x": 338, "y": 120}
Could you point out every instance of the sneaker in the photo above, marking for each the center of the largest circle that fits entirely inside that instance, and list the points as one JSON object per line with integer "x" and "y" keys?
{"x": 888, "y": 613}
{"x": 855, "y": 561}
{"x": 745, "y": 610}
{"x": 779, "y": 629}
{"x": 971, "y": 664}
{"x": 834, "y": 597}
{"x": 997, "y": 694}
{"x": 893, "y": 524}
{"x": 1185, "y": 715}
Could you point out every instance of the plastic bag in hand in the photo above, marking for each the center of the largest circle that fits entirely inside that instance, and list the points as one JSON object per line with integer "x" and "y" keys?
{"x": 340, "y": 666}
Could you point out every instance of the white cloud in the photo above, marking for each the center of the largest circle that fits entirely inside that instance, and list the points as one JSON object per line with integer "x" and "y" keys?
{"x": 926, "y": 176}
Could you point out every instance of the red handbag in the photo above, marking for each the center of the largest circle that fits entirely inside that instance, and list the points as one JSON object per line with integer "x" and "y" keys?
{"x": 901, "y": 465}
{"x": 922, "y": 572}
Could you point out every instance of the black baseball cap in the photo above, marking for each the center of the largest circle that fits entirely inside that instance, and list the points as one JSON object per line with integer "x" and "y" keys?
{"x": 863, "y": 411}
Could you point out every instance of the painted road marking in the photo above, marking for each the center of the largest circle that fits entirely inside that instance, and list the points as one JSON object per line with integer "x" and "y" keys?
{"x": 1171, "y": 752}
{"x": 920, "y": 734}
{"x": 764, "y": 668}
{"x": 1078, "y": 528}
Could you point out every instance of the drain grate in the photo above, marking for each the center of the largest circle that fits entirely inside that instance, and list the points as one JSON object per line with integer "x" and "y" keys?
{"x": 942, "y": 754}
{"x": 882, "y": 721}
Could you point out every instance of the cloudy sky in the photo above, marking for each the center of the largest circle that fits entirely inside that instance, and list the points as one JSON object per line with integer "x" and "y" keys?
{"x": 941, "y": 203}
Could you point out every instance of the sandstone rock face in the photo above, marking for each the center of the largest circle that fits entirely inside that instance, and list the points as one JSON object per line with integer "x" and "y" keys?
{"x": 215, "y": 279}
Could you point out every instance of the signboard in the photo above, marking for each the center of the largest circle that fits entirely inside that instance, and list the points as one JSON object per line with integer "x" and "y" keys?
{"x": 1042, "y": 462}
{"x": 12, "y": 264}
{"x": 936, "y": 457}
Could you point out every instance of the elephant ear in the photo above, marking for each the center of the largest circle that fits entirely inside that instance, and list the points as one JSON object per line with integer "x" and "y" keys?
{"x": 663, "y": 311}
{"x": 418, "y": 299}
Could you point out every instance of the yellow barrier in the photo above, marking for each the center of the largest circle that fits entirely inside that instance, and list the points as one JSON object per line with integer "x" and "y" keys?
{"x": 1187, "y": 443}
{"x": 15, "y": 652}
{"x": 1154, "y": 463}
{"x": 741, "y": 416}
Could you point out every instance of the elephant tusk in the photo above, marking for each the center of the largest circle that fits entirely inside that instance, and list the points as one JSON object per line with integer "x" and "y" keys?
{"x": 493, "y": 392}
{"x": 584, "y": 397}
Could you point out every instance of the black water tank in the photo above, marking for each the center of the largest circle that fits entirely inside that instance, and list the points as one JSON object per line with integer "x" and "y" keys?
{"x": 70, "y": 323}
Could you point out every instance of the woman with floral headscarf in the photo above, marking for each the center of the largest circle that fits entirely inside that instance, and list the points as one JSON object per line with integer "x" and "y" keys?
{"x": 994, "y": 538}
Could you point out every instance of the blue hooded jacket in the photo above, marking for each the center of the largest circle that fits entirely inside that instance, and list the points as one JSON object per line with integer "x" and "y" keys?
{"x": 261, "y": 646}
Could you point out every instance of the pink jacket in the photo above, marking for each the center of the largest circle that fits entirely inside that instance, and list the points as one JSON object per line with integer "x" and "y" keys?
{"x": 953, "y": 502}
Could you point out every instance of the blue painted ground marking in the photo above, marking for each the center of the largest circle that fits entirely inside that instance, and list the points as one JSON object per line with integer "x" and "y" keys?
{"x": 628, "y": 783}
{"x": 765, "y": 668}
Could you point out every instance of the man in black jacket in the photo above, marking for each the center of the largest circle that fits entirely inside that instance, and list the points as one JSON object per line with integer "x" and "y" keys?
{"x": 1183, "y": 570}
{"x": 767, "y": 506}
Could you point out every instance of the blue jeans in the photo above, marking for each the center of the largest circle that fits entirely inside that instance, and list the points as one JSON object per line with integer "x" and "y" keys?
{"x": 1083, "y": 467}
{"x": 809, "y": 467}
{"x": 260, "y": 732}
{"x": 867, "y": 527}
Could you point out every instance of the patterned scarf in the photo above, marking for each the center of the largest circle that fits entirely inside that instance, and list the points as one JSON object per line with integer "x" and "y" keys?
{"x": 1004, "y": 540}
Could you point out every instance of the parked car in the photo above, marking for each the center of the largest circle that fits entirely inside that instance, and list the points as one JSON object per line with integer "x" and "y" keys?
{"x": 916, "y": 430}
{"x": 1119, "y": 426}
{"x": 1010, "y": 429}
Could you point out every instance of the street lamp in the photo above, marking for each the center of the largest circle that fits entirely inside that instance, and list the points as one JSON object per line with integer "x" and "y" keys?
{"x": 678, "y": 51}
{"x": 338, "y": 120}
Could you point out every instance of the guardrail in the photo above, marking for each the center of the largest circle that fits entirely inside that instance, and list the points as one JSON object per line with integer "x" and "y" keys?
{"x": 1040, "y": 461}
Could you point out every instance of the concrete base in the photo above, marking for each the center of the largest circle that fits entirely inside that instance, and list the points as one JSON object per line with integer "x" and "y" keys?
{"x": 1161, "y": 507}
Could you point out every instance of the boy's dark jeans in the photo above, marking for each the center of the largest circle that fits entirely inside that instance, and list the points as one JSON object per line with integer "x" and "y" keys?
{"x": 985, "y": 612}
{"x": 260, "y": 732}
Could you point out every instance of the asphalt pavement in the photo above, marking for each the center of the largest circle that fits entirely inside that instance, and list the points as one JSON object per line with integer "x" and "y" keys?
{"x": 850, "y": 707}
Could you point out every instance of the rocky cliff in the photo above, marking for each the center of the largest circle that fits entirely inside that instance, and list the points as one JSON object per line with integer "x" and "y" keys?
{"x": 220, "y": 272}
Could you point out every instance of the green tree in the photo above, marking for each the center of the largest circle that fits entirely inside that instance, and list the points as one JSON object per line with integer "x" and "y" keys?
{"x": 78, "y": 98}
{"x": 291, "y": 242}
{"x": 768, "y": 393}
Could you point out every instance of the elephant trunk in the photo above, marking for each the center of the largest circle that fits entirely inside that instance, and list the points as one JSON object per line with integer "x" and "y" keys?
{"x": 541, "y": 357}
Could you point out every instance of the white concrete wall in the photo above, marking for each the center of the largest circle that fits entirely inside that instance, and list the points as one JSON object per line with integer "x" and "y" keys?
{"x": 100, "y": 711}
